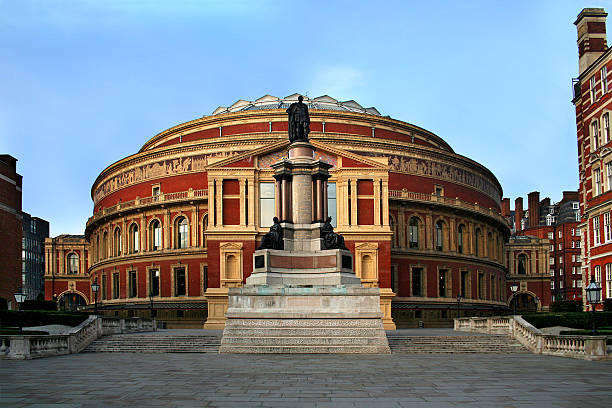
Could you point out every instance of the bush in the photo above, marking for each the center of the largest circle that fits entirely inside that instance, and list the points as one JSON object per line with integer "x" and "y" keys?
{"x": 575, "y": 320}
{"x": 38, "y": 305}
{"x": 608, "y": 305}
{"x": 11, "y": 318}
{"x": 566, "y": 306}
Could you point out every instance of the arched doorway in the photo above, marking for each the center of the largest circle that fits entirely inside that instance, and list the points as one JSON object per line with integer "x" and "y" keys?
{"x": 525, "y": 303}
{"x": 71, "y": 301}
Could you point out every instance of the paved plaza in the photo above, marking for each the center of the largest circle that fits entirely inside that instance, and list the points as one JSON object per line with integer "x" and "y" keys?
{"x": 213, "y": 380}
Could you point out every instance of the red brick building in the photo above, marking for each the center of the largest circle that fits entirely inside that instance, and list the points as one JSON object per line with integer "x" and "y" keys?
{"x": 593, "y": 103}
{"x": 10, "y": 229}
{"x": 176, "y": 224}
{"x": 66, "y": 276}
{"x": 556, "y": 224}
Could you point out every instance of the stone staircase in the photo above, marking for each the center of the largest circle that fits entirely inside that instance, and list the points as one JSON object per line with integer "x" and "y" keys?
{"x": 455, "y": 344}
{"x": 156, "y": 343}
{"x": 328, "y": 336}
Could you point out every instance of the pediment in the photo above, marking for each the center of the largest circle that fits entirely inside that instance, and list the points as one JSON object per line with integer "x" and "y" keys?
{"x": 325, "y": 98}
{"x": 350, "y": 159}
{"x": 247, "y": 159}
{"x": 267, "y": 98}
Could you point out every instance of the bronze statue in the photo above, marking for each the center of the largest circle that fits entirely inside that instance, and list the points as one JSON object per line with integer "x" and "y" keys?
{"x": 274, "y": 238}
{"x": 299, "y": 121}
{"x": 331, "y": 240}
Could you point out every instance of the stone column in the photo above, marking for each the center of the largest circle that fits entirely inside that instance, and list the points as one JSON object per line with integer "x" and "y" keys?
{"x": 377, "y": 199}
{"x": 385, "y": 202}
{"x": 302, "y": 198}
{"x": 219, "y": 202}
{"x": 353, "y": 201}
{"x": 242, "y": 203}
{"x": 142, "y": 229}
{"x": 195, "y": 228}
{"x": 61, "y": 260}
{"x": 319, "y": 199}
{"x": 167, "y": 233}
{"x": 451, "y": 234}
{"x": 325, "y": 199}
{"x": 285, "y": 200}
{"x": 211, "y": 203}
{"x": 278, "y": 199}
{"x": 401, "y": 228}
{"x": 251, "y": 188}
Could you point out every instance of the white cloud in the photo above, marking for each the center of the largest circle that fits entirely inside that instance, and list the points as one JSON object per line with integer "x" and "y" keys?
{"x": 337, "y": 81}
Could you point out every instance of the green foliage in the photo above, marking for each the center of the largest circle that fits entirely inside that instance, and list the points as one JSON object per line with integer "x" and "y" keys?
{"x": 566, "y": 306}
{"x": 598, "y": 332}
{"x": 575, "y": 320}
{"x": 607, "y": 305}
{"x": 12, "y": 318}
{"x": 38, "y": 305}
{"x": 14, "y": 331}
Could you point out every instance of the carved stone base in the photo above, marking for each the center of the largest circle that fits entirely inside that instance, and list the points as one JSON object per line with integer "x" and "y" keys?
{"x": 217, "y": 306}
{"x": 337, "y": 319}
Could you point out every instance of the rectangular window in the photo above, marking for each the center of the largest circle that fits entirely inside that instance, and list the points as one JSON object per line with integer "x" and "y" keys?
{"x": 551, "y": 235}
{"x": 154, "y": 282}
{"x": 606, "y": 127}
{"x": 577, "y": 244}
{"x": 561, "y": 272}
{"x": 578, "y": 258}
{"x": 551, "y": 261}
{"x": 573, "y": 231}
{"x": 560, "y": 259}
{"x": 132, "y": 284}
{"x": 155, "y": 190}
{"x": 607, "y": 227}
{"x": 180, "y": 284}
{"x": 266, "y": 204}
{"x": 560, "y": 234}
{"x": 608, "y": 281}
{"x": 552, "y": 248}
{"x": 609, "y": 175}
{"x": 552, "y": 272}
{"x": 597, "y": 181}
{"x": 481, "y": 286}
{"x": 394, "y": 279}
{"x": 331, "y": 203}
{"x": 493, "y": 287}
{"x": 104, "y": 291}
{"x": 560, "y": 246}
{"x": 573, "y": 258}
{"x": 596, "y": 233}
{"x": 592, "y": 89}
{"x": 560, "y": 284}
{"x": 604, "y": 79}
{"x": 598, "y": 274}
{"x": 595, "y": 135}
{"x": 115, "y": 286}
{"x": 204, "y": 279}
{"x": 464, "y": 283}
{"x": 417, "y": 286}
{"x": 579, "y": 283}
{"x": 442, "y": 283}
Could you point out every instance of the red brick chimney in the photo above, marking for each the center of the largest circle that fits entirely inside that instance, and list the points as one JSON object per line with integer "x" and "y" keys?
{"x": 571, "y": 196}
{"x": 518, "y": 213}
{"x": 505, "y": 207}
{"x": 591, "y": 26}
{"x": 533, "y": 201}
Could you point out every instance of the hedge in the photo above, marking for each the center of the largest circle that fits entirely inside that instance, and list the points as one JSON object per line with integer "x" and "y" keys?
{"x": 575, "y": 320}
{"x": 608, "y": 305}
{"x": 566, "y": 306}
{"x": 12, "y": 318}
{"x": 38, "y": 305}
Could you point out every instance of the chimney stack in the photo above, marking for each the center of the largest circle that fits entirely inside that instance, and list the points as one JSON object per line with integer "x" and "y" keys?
{"x": 571, "y": 196}
{"x": 533, "y": 201}
{"x": 518, "y": 213}
{"x": 505, "y": 207}
{"x": 591, "y": 26}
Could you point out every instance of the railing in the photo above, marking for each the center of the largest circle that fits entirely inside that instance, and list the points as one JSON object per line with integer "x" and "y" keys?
{"x": 74, "y": 341}
{"x": 454, "y": 202}
{"x": 149, "y": 201}
{"x": 583, "y": 347}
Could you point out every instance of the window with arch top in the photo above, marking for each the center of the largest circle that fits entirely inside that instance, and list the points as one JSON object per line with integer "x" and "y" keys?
{"x": 73, "y": 264}
{"x": 439, "y": 236}
{"x": 134, "y": 239}
{"x": 522, "y": 264}
{"x": 117, "y": 242}
{"x": 155, "y": 235}
{"x": 182, "y": 233}
{"x": 413, "y": 232}
{"x": 460, "y": 233}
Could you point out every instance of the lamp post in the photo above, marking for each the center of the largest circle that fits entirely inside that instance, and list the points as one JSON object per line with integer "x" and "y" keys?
{"x": 19, "y": 298}
{"x": 458, "y": 300}
{"x": 151, "y": 303}
{"x": 94, "y": 288}
{"x": 514, "y": 289}
{"x": 593, "y": 293}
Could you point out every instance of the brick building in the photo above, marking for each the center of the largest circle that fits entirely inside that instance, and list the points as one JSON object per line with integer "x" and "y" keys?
{"x": 593, "y": 104}
{"x": 10, "y": 229}
{"x": 35, "y": 230}
{"x": 66, "y": 277}
{"x": 556, "y": 223}
{"x": 176, "y": 224}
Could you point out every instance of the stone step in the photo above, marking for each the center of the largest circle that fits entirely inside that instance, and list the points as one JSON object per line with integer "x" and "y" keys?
{"x": 300, "y": 349}
{"x": 301, "y": 332}
{"x": 299, "y": 323}
{"x": 305, "y": 341}
{"x": 457, "y": 344}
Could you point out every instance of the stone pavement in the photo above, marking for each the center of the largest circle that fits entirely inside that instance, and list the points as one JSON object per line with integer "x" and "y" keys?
{"x": 213, "y": 380}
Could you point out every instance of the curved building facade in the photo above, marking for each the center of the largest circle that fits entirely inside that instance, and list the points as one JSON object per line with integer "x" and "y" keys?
{"x": 176, "y": 224}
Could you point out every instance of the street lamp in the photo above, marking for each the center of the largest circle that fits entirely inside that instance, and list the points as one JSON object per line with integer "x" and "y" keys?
{"x": 19, "y": 298}
{"x": 458, "y": 300}
{"x": 514, "y": 289}
{"x": 94, "y": 288}
{"x": 593, "y": 293}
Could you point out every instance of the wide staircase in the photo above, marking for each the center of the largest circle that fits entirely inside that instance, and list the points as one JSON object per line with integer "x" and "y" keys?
{"x": 401, "y": 342}
{"x": 164, "y": 341}
{"x": 409, "y": 344}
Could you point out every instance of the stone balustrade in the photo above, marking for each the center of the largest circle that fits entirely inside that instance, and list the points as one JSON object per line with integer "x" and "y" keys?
{"x": 582, "y": 347}
{"x": 74, "y": 341}
{"x": 447, "y": 201}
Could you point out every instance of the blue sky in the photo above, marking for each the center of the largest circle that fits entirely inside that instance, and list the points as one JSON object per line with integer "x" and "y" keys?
{"x": 86, "y": 83}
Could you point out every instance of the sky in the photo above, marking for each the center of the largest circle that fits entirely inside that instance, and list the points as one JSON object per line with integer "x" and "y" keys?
{"x": 85, "y": 83}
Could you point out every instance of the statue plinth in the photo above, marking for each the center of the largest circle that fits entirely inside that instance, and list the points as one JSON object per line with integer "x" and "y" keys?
{"x": 305, "y": 297}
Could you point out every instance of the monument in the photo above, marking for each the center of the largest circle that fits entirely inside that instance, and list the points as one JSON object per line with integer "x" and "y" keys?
{"x": 303, "y": 295}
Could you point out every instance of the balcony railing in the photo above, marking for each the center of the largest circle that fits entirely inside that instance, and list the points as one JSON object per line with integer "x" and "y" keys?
{"x": 448, "y": 201}
{"x": 150, "y": 201}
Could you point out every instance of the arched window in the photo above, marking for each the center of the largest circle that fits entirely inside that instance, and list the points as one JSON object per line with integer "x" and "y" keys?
{"x": 98, "y": 250}
{"x": 490, "y": 246}
{"x": 477, "y": 242}
{"x": 460, "y": 235}
{"x": 413, "y": 232}
{"x": 522, "y": 264}
{"x": 204, "y": 226}
{"x": 182, "y": 233}
{"x": 134, "y": 241}
{"x": 73, "y": 264}
{"x": 439, "y": 229}
{"x": 105, "y": 245}
{"x": 155, "y": 236}
{"x": 117, "y": 242}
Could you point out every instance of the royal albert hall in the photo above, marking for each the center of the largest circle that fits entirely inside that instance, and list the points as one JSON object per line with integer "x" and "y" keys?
{"x": 176, "y": 224}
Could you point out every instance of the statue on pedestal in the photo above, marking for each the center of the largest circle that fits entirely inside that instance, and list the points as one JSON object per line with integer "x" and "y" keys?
{"x": 299, "y": 121}
{"x": 331, "y": 240}
{"x": 274, "y": 238}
